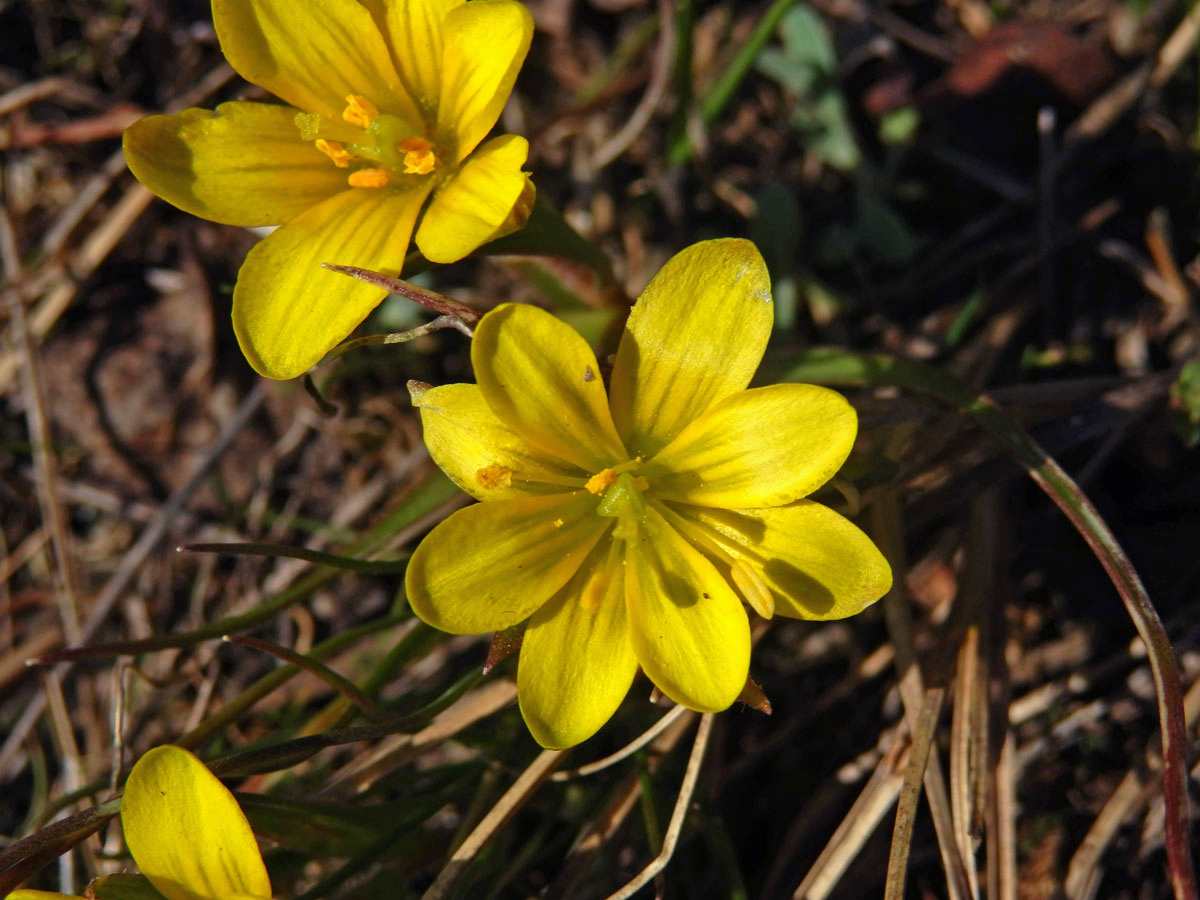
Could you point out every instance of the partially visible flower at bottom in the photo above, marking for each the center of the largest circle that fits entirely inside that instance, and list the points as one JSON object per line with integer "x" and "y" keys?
{"x": 629, "y": 526}
{"x": 186, "y": 833}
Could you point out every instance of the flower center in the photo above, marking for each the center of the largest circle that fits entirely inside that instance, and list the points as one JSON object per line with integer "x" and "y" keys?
{"x": 388, "y": 152}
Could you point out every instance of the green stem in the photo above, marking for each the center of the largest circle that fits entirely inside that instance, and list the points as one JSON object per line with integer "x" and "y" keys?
{"x": 722, "y": 91}
{"x": 288, "y": 551}
{"x": 339, "y": 683}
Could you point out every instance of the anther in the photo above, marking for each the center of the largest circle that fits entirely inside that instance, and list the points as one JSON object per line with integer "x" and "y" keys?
{"x": 359, "y": 111}
{"x": 368, "y": 178}
{"x": 340, "y": 155}
{"x": 419, "y": 158}
{"x": 601, "y": 481}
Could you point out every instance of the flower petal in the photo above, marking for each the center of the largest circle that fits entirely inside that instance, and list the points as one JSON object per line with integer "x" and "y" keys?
{"x": 481, "y": 454}
{"x": 577, "y": 662}
{"x": 26, "y": 894}
{"x": 762, "y": 447}
{"x": 243, "y": 164}
{"x": 818, "y": 564}
{"x": 288, "y": 312}
{"x": 415, "y": 32}
{"x": 485, "y": 44}
{"x": 489, "y": 566}
{"x": 688, "y": 627}
{"x": 312, "y": 54}
{"x": 695, "y": 336}
{"x": 470, "y": 208}
{"x": 187, "y": 833}
{"x": 541, "y": 378}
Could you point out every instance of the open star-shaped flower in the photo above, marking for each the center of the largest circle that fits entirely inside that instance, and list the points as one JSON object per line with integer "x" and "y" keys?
{"x": 389, "y": 102}
{"x": 630, "y": 526}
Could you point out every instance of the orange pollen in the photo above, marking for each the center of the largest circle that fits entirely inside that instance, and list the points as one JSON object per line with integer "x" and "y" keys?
{"x": 359, "y": 111}
{"x": 602, "y": 481}
{"x": 340, "y": 155}
{"x": 368, "y": 178}
{"x": 419, "y": 158}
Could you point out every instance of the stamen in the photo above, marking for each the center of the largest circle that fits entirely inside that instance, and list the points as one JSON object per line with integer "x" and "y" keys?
{"x": 601, "y": 481}
{"x": 359, "y": 111}
{"x": 340, "y": 155}
{"x": 752, "y": 587}
{"x": 419, "y": 158}
{"x": 494, "y": 476}
{"x": 369, "y": 178}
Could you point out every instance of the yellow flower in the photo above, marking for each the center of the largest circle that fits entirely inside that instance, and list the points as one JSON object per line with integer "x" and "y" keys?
{"x": 630, "y": 526}
{"x": 186, "y": 833}
{"x": 389, "y": 101}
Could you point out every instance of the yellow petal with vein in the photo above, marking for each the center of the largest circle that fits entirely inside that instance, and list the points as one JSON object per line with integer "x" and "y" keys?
{"x": 761, "y": 447}
{"x": 288, "y": 312}
{"x": 485, "y": 44}
{"x": 818, "y": 564}
{"x": 689, "y": 630}
{"x": 542, "y": 379}
{"x": 490, "y": 566}
{"x": 415, "y": 31}
{"x": 577, "y": 661}
{"x": 695, "y": 336}
{"x": 243, "y": 164}
{"x": 312, "y": 54}
{"x": 469, "y": 209}
{"x": 481, "y": 454}
{"x": 186, "y": 831}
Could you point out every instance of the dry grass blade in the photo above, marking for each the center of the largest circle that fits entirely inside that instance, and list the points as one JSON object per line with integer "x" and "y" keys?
{"x": 1133, "y": 793}
{"x": 885, "y": 519}
{"x": 659, "y": 80}
{"x": 397, "y": 751}
{"x": 1000, "y": 813}
{"x": 584, "y": 852}
{"x": 910, "y": 793}
{"x": 965, "y": 727}
{"x": 504, "y": 810}
{"x": 970, "y": 726}
{"x": 136, "y": 555}
{"x": 675, "y": 826}
{"x": 876, "y": 798}
{"x": 838, "y": 367}
{"x": 625, "y": 752}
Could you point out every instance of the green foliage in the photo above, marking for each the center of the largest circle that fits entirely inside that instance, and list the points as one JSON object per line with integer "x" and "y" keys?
{"x": 807, "y": 66}
{"x": 1184, "y": 406}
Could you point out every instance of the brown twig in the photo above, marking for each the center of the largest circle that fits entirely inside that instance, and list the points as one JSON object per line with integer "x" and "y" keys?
{"x": 439, "y": 303}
